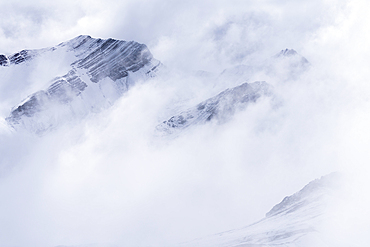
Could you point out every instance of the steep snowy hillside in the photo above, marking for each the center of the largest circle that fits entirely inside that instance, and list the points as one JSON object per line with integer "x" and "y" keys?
{"x": 100, "y": 72}
{"x": 293, "y": 222}
{"x": 220, "y": 107}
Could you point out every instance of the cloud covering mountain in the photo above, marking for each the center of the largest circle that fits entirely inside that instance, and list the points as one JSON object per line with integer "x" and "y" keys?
{"x": 100, "y": 72}
{"x": 110, "y": 179}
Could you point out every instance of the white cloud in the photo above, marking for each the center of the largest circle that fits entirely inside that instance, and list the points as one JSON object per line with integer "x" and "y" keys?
{"x": 109, "y": 180}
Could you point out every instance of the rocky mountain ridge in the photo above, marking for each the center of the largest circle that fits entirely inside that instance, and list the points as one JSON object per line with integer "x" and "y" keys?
{"x": 101, "y": 71}
{"x": 220, "y": 107}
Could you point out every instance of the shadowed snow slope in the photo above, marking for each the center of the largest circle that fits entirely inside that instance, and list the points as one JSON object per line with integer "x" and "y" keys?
{"x": 100, "y": 72}
{"x": 293, "y": 222}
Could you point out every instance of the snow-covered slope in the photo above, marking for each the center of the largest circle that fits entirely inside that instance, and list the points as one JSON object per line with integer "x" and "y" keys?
{"x": 295, "y": 221}
{"x": 287, "y": 65}
{"x": 220, "y": 107}
{"x": 100, "y": 72}
{"x": 283, "y": 66}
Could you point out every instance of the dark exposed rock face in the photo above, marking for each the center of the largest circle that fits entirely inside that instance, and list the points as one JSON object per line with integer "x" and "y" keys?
{"x": 3, "y": 60}
{"x": 287, "y": 52}
{"x": 104, "y": 61}
{"x": 19, "y": 57}
{"x": 220, "y": 107}
{"x": 95, "y": 60}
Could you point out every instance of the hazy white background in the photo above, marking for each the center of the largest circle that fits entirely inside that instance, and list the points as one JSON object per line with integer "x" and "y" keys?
{"x": 111, "y": 180}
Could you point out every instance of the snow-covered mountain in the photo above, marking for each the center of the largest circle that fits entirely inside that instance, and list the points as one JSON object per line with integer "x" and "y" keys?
{"x": 100, "y": 72}
{"x": 220, "y": 107}
{"x": 295, "y": 221}
{"x": 285, "y": 65}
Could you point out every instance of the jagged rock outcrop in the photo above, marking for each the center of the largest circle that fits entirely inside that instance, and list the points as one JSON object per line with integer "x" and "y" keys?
{"x": 21, "y": 57}
{"x": 101, "y": 71}
{"x": 295, "y": 58}
{"x": 3, "y": 60}
{"x": 220, "y": 107}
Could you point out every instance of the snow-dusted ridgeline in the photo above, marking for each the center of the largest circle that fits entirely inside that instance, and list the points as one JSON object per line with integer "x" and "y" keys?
{"x": 294, "y": 222}
{"x": 220, "y": 107}
{"x": 100, "y": 72}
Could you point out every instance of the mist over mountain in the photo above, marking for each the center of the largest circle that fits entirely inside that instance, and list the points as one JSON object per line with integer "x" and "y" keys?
{"x": 193, "y": 123}
{"x": 220, "y": 107}
{"x": 101, "y": 71}
{"x": 295, "y": 221}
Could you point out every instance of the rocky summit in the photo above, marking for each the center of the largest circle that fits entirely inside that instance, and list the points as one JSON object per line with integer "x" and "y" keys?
{"x": 220, "y": 107}
{"x": 100, "y": 72}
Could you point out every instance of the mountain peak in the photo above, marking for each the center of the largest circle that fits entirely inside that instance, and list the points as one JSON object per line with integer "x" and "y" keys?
{"x": 296, "y": 218}
{"x": 290, "y": 53}
{"x": 287, "y": 52}
{"x": 100, "y": 72}
{"x": 76, "y": 41}
{"x": 305, "y": 195}
{"x": 220, "y": 107}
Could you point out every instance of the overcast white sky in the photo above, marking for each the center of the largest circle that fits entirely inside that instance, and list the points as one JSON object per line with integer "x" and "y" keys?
{"x": 110, "y": 181}
{"x": 205, "y": 31}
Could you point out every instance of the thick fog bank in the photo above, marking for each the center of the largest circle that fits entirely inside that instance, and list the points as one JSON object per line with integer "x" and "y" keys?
{"x": 112, "y": 178}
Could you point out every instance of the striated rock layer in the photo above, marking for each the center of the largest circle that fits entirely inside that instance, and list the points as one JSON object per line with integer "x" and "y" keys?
{"x": 100, "y": 72}
{"x": 220, "y": 108}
